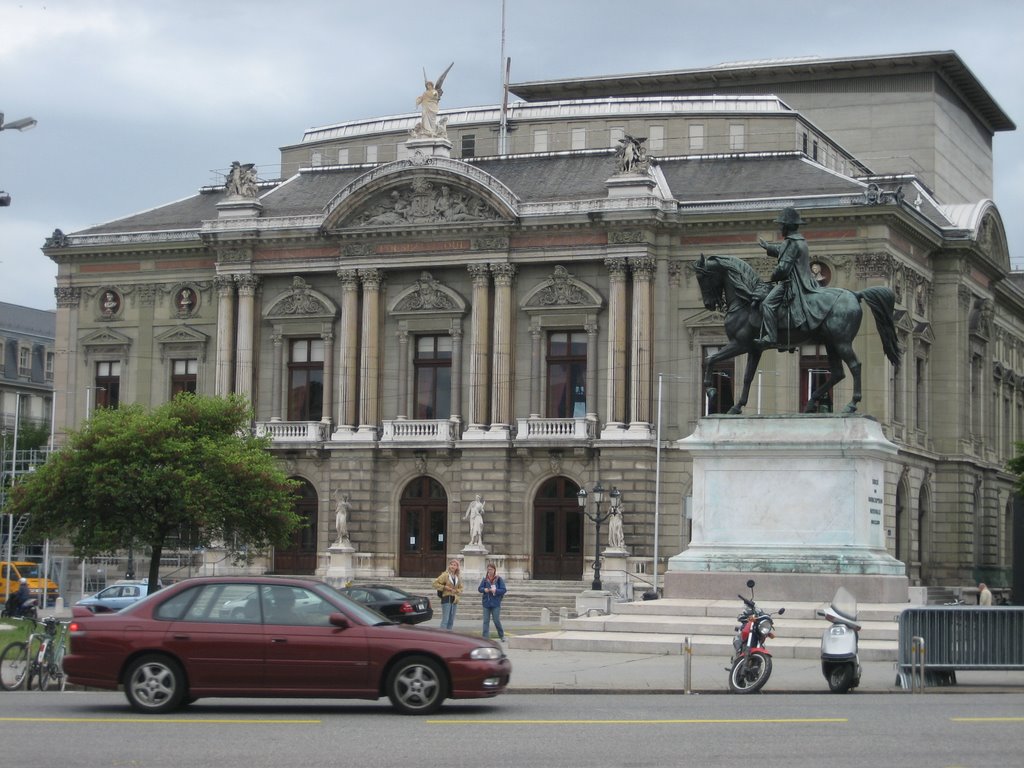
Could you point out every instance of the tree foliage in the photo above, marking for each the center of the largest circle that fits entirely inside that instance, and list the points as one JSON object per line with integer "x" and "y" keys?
{"x": 133, "y": 477}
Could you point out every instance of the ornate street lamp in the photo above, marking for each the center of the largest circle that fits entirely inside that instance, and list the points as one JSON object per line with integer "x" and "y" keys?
{"x": 598, "y": 493}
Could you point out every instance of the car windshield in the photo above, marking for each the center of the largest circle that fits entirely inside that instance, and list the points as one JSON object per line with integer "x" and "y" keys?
{"x": 387, "y": 593}
{"x": 29, "y": 571}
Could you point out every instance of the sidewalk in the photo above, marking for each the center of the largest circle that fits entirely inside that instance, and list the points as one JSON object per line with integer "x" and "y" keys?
{"x": 547, "y": 671}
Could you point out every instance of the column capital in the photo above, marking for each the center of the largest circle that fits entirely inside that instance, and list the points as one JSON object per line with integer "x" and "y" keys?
{"x": 371, "y": 278}
{"x": 643, "y": 267}
{"x": 224, "y": 284}
{"x": 503, "y": 273}
{"x": 247, "y": 284}
{"x": 349, "y": 279}
{"x": 481, "y": 274}
{"x": 67, "y": 296}
{"x": 616, "y": 267}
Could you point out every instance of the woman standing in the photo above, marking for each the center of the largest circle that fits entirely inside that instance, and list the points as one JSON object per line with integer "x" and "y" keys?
{"x": 449, "y": 587}
{"x": 492, "y": 587}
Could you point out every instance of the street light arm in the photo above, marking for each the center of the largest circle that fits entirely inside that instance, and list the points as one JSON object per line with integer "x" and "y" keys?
{"x": 23, "y": 124}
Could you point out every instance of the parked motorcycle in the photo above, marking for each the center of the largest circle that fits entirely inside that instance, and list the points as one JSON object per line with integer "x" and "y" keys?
{"x": 751, "y": 662}
{"x": 839, "y": 661}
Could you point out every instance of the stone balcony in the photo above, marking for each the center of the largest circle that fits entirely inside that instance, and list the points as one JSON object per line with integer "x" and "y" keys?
{"x": 294, "y": 431}
{"x": 419, "y": 431}
{"x": 542, "y": 429}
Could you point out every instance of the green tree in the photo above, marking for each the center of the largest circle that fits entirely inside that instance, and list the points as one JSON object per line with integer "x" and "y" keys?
{"x": 134, "y": 477}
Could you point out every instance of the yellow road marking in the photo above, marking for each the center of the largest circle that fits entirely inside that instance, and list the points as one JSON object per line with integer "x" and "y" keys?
{"x": 987, "y": 719}
{"x": 696, "y": 721}
{"x": 158, "y": 720}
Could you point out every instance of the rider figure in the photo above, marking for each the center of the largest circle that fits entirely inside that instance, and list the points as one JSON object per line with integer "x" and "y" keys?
{"x": 792, "y": 278}
{"x": 18, "y": 599}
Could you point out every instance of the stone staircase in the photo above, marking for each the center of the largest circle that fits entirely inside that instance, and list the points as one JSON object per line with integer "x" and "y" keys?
{"x": 524, "y": 601}
{"x": 661, "y": 626}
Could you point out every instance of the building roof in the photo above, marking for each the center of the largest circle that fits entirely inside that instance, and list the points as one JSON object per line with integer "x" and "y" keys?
{"x": 734, "y": 75}
{"x": 16, "y": 320}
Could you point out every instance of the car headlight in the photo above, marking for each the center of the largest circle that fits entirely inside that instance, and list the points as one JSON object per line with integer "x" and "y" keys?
{"x": 485, "y": 653}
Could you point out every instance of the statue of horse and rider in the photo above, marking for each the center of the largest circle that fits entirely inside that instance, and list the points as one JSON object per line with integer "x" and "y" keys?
{"x": 809, "y": 313}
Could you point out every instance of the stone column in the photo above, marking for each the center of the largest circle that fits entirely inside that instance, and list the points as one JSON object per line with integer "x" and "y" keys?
{"x": 456, "y": 414}
{"x": 277, "y": 387}
{"x": 501, "y": 398}
{"x": 536, "y": 375}
{"x": 643, "y": 269}
{"x": 247, "y": 285}
{"x": 592, "y": 367}
{"x": 369, "y": 401}
{"x": 615, "y": 415}
{"x": 224, "y": 376}
{"x": 479, "y": 348}
{"x": 402, "y": 406}
{"x": 348, "y": 352}
{"x": 326, "y": 415}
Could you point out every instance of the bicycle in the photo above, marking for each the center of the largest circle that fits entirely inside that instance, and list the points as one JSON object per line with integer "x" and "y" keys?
{"x": 39, "y": 659}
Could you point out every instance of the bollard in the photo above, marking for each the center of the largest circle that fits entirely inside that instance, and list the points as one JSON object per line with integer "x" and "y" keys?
{"x": 687, "y": 665}
{"x": 917, "y": 663}
{"x": 545, "y": 616}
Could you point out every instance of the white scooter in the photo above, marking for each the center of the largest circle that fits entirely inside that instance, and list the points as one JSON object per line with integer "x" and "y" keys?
{"x": 839, "y": 661}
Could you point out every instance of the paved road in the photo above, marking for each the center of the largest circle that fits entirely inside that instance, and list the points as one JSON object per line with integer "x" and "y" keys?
{"x": 524, "y": 731}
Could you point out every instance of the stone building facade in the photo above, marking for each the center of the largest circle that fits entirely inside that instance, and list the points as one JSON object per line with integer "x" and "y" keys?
{"x": 421, "y": 319}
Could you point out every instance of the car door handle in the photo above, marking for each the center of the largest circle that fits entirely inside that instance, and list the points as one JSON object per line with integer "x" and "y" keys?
{"x": 182, "y": 637}
{"x": 279, "y": 640}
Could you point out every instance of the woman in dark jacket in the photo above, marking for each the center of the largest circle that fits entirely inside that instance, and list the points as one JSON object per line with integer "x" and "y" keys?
{"x": 492, "y": 587}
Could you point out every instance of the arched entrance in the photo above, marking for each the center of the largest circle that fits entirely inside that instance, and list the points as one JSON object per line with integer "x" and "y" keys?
{"x": 299, "y": 557}
{"x": 424, "y": 529}
{"x": 557, "y": 531}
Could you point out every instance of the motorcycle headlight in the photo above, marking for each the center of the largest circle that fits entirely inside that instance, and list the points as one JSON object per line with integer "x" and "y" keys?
{"x": 764, "y": 625}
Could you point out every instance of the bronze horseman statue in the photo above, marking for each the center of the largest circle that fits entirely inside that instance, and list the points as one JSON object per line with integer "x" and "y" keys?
{"x": 795, "y": 311}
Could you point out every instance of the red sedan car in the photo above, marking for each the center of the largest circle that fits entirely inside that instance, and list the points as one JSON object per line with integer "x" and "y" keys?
{"x": 293, "y": 638}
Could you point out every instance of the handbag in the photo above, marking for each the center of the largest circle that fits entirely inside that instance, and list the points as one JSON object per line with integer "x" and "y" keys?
{"x": 440, "y": 593}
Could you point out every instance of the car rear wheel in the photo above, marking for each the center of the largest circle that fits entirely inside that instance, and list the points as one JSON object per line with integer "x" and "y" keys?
{"x": 417, "y": 686}
{"x": 155, "y": 684}
{"x": 13, "y": 666}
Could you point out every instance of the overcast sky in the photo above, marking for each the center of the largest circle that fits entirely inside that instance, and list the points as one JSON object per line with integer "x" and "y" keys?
{"x": 141, "y": 103}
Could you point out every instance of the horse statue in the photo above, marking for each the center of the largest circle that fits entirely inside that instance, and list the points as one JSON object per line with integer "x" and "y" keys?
{"x": 731, "y": 285}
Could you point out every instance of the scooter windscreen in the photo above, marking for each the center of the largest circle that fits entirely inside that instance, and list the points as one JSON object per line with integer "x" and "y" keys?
{"x": 844, "y": 605}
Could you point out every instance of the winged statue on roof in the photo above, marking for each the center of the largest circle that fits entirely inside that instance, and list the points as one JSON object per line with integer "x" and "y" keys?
{"x": 240, "y": 181}
{"x": 429, "y": 102}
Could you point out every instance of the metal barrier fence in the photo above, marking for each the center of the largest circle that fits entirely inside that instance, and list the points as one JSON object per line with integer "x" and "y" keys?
{"x": 959, "y": 638}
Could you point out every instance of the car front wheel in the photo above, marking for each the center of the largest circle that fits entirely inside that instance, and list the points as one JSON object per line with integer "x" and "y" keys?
{"x": 416, "y": 686}
{"x": 155, "y": 684}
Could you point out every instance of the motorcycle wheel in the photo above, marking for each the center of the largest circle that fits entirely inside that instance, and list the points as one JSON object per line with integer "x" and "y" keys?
{"x": 750, "y": 673}
{"x": 840, "y": 678}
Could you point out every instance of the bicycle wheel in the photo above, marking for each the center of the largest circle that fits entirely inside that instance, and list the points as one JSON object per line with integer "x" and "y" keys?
{"x": 13, "y": 666}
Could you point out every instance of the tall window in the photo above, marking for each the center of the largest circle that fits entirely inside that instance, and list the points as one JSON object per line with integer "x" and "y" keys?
{"x": 813, "y": 373}
{"x": 696, "y": 134}
{"x": 920, "y": 393}
{"x": 343, "y": 156}
{"x": 579, "y": 138}
{"x": 737, "y": 136}
{"x": 108, "y": 384}
{"x": 615, "y": 135}
{"x": 306, "y": 380}
{"x": 49, "y": 365}
{"x": 567, "y": 375}
{"x": 433, "y": 373}
{"x": 540, "y": 140}
{"x": 468, "y": 144}
{"x": 723, "y": 376}
{"x": 371, "y": 153}
{"x": 184, "y": 375}
{"x": 24, "y": 361}
{"x": 656, "y": 142}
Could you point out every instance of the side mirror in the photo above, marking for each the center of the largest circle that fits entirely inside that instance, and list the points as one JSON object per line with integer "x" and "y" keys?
{"x": 750, "y": 583}
{"x": 781, "y": 611}
{"x": 339, "y": 620}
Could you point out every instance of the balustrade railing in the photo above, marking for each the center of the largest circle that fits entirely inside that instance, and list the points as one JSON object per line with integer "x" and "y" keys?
{"x": 555, "y": 429}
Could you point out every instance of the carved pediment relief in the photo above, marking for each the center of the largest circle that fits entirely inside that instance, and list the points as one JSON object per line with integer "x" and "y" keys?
{"x": 422, "y": 202}
{"x": 106, "y": 342}
{"x": 300, "y": 302}
{"x": 427, "y": 295}
{"x": 562, "y": 290}
{"x": 182, "y": 339}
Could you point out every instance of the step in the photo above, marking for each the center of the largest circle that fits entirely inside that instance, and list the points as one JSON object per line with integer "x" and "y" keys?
{"x": 663, "y": 626}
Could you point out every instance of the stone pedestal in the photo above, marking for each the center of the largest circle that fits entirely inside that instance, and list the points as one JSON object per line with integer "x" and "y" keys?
{"x": 474, "y": 564}
{"x": 613, "y": 571}
{"x": 340, "y": 570}
{"x": 795, "y": 502}
{"x": 594, "y": 600}
{"x": 429, "y": 146}
{"x": 237, "y": 207}
{"x": 631, "y": 185}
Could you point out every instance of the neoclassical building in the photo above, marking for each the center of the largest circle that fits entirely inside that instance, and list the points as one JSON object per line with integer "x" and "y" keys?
{"x": 505, "y": 305}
